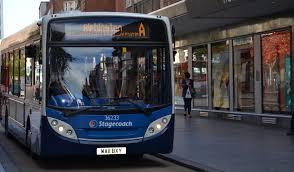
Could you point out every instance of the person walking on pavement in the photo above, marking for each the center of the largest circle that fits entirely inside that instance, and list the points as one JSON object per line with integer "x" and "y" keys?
{"x": 187, "y": 87}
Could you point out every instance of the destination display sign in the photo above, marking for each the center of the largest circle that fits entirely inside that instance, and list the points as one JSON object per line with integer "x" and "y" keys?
{"x": 108, "y": 29}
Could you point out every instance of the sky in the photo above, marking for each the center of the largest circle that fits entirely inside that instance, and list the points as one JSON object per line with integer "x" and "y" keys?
{"x": 18, "y": 14}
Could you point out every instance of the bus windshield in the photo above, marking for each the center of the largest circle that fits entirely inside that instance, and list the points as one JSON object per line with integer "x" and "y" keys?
{"x": 97, "y": 76}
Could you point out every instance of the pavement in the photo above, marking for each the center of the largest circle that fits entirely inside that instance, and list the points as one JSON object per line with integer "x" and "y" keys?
{"x": 207, "y": 144}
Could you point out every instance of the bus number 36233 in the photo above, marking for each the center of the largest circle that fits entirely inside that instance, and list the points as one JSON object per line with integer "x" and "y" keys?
{"x": 111, "y": 117}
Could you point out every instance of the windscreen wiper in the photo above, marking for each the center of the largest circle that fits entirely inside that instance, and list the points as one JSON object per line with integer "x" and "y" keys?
{"x": 70, "y": 112}
{"x": 142, "y": 109}
{"x": 83, "y": 110}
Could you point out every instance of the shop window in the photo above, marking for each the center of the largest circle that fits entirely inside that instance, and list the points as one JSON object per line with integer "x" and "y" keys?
{"x": 220, "y": 75}
{"x": 276, "y": 67}
{"x": 199, "y": 74}
{"x": 244, "y": 99}
{"x": 180, "y": 67}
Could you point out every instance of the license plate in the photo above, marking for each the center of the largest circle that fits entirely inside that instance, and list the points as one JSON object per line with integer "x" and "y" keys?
{"x": 112, "y": 151}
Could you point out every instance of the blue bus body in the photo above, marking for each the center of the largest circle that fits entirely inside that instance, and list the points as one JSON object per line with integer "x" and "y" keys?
{"x": 78, "y": 124}
{"x": 87, "y": 144}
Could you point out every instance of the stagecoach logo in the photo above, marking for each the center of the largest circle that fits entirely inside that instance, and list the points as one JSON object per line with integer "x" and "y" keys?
{"x": 107, "y": 124}
{"x": 93, "y": 124}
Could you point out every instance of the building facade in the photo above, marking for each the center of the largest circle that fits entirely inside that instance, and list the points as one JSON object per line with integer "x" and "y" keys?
{"x": 60, "y": 6}
{"x": 147, "y": 6}
{"x": 239, "y": 52}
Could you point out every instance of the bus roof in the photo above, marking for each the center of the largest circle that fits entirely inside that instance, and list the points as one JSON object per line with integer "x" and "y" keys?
{"x": 30, "y": 32}
{"x": 115, "y": 14}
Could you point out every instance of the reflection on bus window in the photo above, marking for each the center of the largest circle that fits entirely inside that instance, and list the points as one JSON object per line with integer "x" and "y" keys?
{"x": 89, "y": 76}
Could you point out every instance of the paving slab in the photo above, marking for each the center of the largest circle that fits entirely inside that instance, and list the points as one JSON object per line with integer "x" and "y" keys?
{"x": 231, "y": 146}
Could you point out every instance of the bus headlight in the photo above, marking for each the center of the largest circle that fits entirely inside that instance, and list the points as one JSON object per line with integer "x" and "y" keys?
{"x": 157, "y": 126}
{"x": 62, "y": 128}
{"x": 54, "y": 123}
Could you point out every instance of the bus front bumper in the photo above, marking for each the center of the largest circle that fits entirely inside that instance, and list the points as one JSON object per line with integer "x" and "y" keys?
{"x": 54, "y": 145}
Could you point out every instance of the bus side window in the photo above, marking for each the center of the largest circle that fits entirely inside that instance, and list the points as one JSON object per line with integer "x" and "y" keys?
{"x": 38, "y": 74}
{"x": 10, "y": 71}
{"x": 29, "y": 71}
{"x": 5, "y": 77}
{"x": 2, "y": 69}
{"x": 37, "y": 95}
{"x": 16, "y": 82}
{"x": 30, "y": 54}
{"x": 22, "y": 73}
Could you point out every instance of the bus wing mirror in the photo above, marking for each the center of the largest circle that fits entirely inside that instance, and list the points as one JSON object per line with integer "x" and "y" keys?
{"x": 174, "y": 41}
{"x": 173, "y": 35}
{"x": 174, "y": 55}
{"x": 30, "y": 51}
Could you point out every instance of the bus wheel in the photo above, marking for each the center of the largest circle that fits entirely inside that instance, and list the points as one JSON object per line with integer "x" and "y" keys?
{"x": 29, "y": 144}
{"x": 7, "y": 134}
{"x": 28, "y": 138}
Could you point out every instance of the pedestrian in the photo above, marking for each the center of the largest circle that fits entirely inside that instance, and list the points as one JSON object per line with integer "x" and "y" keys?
{"x": 187, "y": 93}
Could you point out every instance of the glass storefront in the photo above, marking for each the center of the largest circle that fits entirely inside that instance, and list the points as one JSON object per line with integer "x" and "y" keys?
{"x": 276, "y": 67}
{"x": 199, "y": 74}
{"x": 180, "y": 67}
{"x": 220, "y": 75}
{"x": 243, "y": 74}
{"x": 210, "y": 63}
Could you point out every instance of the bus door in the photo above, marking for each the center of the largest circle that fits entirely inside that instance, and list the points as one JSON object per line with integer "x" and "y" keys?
{"x": 32, "y": 87}
{"x": 21, "y": 89}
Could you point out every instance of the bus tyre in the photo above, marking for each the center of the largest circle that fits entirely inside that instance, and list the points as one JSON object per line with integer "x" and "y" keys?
{"x": 28, "y": 139}
{"x": 29, "y": 144}
{"x": 7, "y": 134}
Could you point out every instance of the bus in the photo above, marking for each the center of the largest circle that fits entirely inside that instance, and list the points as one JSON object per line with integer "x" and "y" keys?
{"x": 90, "y": 84}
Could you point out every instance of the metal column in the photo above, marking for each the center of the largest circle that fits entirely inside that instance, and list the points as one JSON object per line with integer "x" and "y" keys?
{"x": 257, "y": 74}
{"x": 209, "y": 58}
{"x": 190, "y": 57}
{"x": 231, "y": 76}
